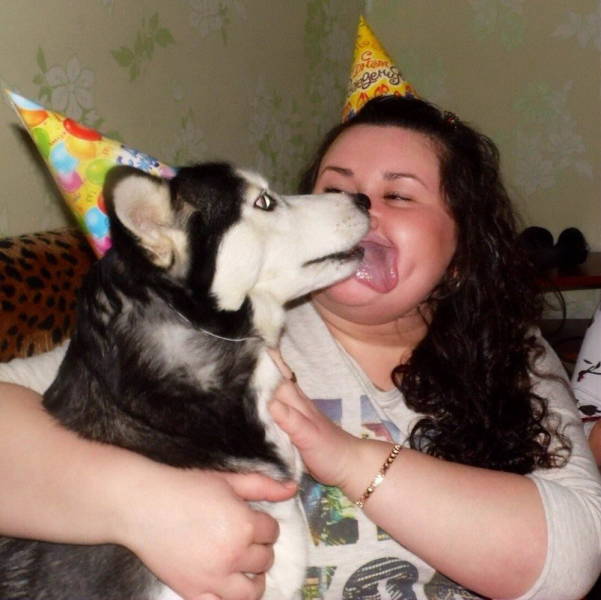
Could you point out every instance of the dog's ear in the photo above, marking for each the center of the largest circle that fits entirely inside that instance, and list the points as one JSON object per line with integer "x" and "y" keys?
{"x": 142, "y": 204}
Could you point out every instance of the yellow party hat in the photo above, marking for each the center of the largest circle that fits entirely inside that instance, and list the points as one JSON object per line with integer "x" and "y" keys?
{"x": 373, "y": 73}
{"x": 79, "y": 158}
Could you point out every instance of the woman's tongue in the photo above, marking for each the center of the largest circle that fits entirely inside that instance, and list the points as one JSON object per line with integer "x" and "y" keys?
{"x": 378, "y": 268}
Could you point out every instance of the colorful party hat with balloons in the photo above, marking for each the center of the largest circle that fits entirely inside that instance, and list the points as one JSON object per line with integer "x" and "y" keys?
{"x": 373, "y": 73}
{"x": 79, "y": 158}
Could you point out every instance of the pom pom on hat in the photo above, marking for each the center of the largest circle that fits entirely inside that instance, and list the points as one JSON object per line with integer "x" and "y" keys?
{"x": 79, "y": 158}
{"x": 372, "y": 74}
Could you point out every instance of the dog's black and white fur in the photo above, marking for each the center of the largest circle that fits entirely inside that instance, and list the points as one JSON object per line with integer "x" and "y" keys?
{"x": 168, "y": 358}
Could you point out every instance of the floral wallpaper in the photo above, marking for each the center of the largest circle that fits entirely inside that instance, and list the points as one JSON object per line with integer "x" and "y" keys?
{"x": 258, "y": 82}
{"x": 252, "y": 81}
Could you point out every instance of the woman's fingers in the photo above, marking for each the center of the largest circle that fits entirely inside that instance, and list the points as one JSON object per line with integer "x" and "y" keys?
{"x": 291, "y": 420}
{"x": 257, "y": 559}
{"x": 291, "y": 393}
{"x": 294, "y": 415}
{"x": 239, "y": 586}
{"x": 292, "y": 396}
{"x": 266, "y": 528}
{"x": 280, "y": 364}
{"x": 255, "y": 486}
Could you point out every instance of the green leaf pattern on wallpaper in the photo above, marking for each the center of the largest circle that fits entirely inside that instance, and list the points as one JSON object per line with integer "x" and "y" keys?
{"x": 426, "y": 71}
{"x": 286, "y": 135}
{"x": 66, "y": 89}
{"x": 215, "y": 15}
{"x": 329, "y": 50}
{"x": 150, "y": 36}
{"x": 108, "y": 4}
{"x": 586, "y": 28}
{"x": 189, "y": 144}
{"x": 69, "y": 89}
{"x": 500, "y": 18}
{"x": 275, "y": 129}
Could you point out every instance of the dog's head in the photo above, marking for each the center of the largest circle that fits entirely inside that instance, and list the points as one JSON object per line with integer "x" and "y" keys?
{"x": 220, "y": 232}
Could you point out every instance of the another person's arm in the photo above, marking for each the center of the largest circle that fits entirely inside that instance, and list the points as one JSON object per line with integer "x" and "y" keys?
{"x": 586, "y": 383}
{"x": 594, "y": 440}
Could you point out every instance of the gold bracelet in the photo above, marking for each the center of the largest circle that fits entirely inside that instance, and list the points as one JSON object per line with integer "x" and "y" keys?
{"x": 379, "y": 478}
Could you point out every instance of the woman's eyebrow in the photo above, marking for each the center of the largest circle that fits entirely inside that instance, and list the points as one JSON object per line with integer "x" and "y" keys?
{"x": 387, "y": 175}
{"x": 341, "y": 170}
{"x": 392, "y": 175}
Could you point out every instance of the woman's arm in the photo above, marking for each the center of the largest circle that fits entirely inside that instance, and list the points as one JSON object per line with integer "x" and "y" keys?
{"x": 487, "y": 530}
{"x": 59, "y": 487}
{"x": 594, "y": 440}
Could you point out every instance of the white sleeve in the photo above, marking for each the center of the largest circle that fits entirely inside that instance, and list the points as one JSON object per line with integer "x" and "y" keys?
{"x": 571, "y": 497}
{"x": 586, "y": 380}
{"x": 36, "y": 372}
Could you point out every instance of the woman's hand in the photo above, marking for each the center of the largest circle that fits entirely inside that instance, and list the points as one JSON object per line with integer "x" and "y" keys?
{"x": 194, "y": 529}
{"x": 327, "y": 450}
{"x": 594, "y": 440}
{"x": 197, "y": 533}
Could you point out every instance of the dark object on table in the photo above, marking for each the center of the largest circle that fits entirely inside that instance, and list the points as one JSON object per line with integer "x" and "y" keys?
{"x": 538, "y": 244}
{"x": 571, "y": 248}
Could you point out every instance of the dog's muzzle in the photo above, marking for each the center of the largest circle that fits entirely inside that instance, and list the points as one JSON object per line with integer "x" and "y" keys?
{"x": 362, "y": 201}
{"x": 353, "y": 253}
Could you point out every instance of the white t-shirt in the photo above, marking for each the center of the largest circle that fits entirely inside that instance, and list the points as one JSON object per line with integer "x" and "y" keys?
{"x": 350, "y": 557}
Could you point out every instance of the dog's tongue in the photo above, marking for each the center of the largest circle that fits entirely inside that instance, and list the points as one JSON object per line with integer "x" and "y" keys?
{"x": 378, "y": 268}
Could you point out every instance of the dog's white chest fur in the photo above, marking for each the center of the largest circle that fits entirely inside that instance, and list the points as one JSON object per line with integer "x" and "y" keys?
{"x": 285, "y": 577}
{"x": 265, "y": 380}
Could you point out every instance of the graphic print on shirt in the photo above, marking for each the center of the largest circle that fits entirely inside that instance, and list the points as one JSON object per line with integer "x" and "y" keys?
{"x": 443, "y": 588}
{"x": 317, "y": 582}
{"x": 374, "y": 426}
{"x": 330, "y": 514}
{"x": 382, "y": 579}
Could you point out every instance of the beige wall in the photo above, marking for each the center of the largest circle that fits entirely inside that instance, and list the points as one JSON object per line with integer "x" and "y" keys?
{"x": 258, "y": 81}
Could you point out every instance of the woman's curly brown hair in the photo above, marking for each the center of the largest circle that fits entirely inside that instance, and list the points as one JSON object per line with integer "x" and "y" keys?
{"x": 470, "y": 377}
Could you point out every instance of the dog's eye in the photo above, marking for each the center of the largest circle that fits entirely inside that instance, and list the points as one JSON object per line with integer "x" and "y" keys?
{"x": 265, "y": 202}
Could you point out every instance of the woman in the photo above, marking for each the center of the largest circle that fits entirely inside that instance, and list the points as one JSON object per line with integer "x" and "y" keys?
{"x": 430, "y": 345}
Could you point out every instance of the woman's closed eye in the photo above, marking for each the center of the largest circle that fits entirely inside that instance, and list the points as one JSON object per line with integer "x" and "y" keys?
{"x": 394, "y": 196}
{"x": 333, "y": 190}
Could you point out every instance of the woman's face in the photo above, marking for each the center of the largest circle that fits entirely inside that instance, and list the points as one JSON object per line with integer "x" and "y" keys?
{"x": 412, "y": 237}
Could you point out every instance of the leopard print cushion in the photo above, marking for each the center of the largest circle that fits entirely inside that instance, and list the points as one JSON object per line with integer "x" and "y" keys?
{"x": 40, "y": 275}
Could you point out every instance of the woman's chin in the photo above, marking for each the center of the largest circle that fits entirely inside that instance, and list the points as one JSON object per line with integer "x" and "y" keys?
{"x": 354, "y": 291}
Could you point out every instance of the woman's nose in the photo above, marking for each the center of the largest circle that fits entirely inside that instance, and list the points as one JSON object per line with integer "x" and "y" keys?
{"x": 373, "y": 221}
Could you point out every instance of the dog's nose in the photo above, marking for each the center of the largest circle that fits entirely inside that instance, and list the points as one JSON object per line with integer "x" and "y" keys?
{"x": 362, "y": 201}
